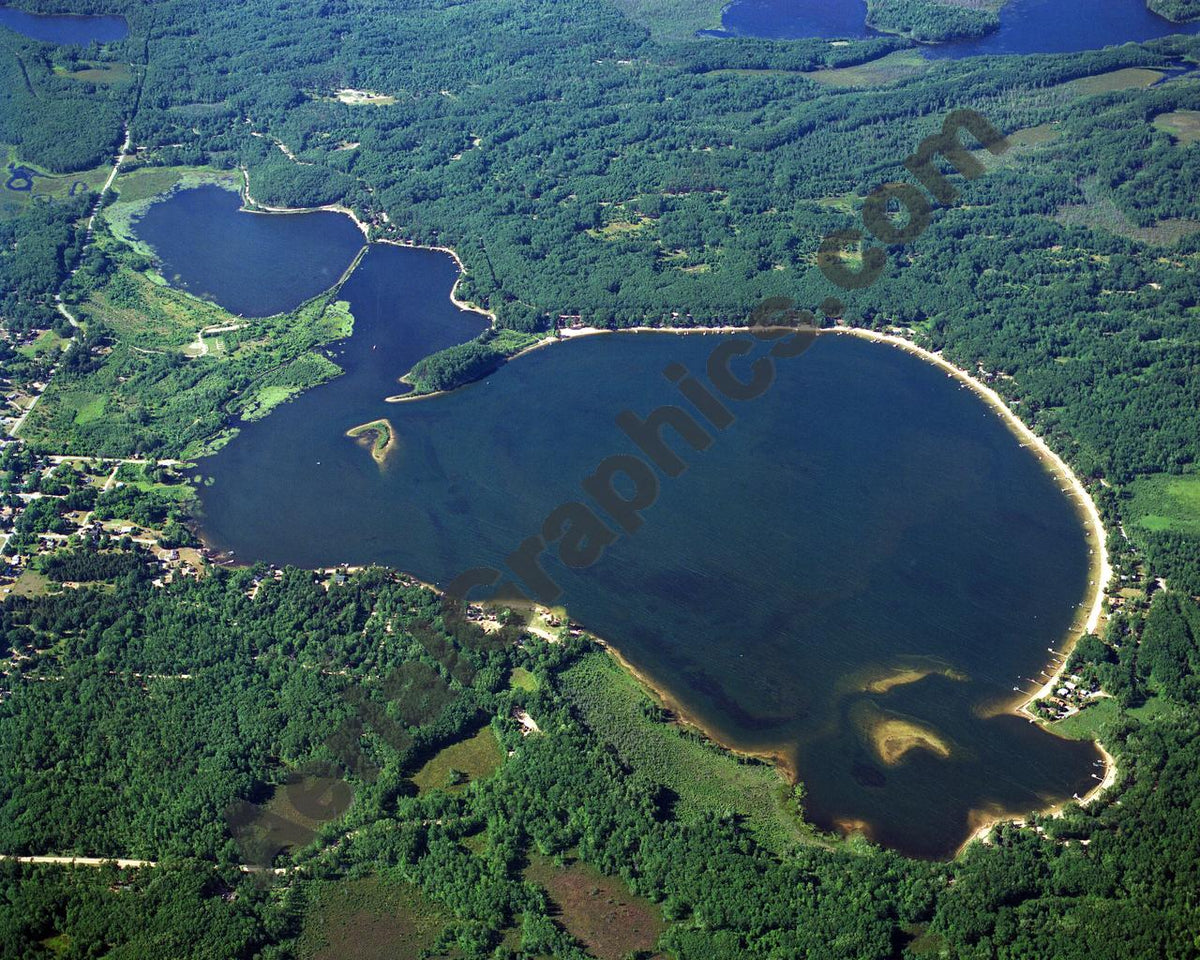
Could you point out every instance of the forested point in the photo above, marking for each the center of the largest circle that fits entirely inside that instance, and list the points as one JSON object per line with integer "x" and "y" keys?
{"x": 1178, "y": 11}
{"x": 931, "y": 22}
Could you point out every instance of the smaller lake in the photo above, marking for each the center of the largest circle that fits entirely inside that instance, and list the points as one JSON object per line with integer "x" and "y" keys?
{"x": 255, "y": 264}
{"x": 63, "y": 27}
{"x": 1026, "y": 26}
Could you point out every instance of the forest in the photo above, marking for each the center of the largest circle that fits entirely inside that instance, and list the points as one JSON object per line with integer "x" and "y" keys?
{"x": 931, "y": 22}
{"x": 1179, "y": 11}
{"x": 139, "y": 718}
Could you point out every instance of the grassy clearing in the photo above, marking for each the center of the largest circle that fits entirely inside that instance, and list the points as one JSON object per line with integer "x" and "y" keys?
{"x": 1086, "y": 724}
{"x": 285, "y": 821}
{"x": 1033, "y": 136}
{"x": 677, "y": 20}
{"x": 510, "y": 342}
{"x": 892, "y": 68}
{"x": 149, "y": 316}
{"x": 924, "y": 943}
{"x": 103, "y": 74}
{"x": 598, "y": 910}
{"x": 135, "y": 475}
{"x": 1183, "y": 125}
{"x": 706, "y": 778}
{"x": 522, "y": 679}
{"x": 29, "y": 584}
{"x": 1167, "y": 503}
{"x": 47, "y": 342}
{"x": 1152, "y": 708}
{"x": 1128, "y": 78}
{"x": 457, "y": 765}
{"x": 145, "y": 183}
{"x": 89, "y": 410}
{"x": 59, "y": 944}
{"x": 369, "y": 919}
{"x": 620, "y": 229}
{"x": 843, "y": 203}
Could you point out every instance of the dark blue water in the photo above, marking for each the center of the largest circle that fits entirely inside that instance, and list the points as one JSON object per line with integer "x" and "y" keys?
{"x": 253, "y": 264}
{"x": 1026, "y": 26}
{"x": 864, "y": 516}
{"x": 64, "y": 28}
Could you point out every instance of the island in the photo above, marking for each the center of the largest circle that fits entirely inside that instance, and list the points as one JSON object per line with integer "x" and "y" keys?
{"x": 378, "y": 436}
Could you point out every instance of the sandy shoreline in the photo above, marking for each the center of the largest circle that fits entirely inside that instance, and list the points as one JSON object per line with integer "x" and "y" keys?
{"x": 987, "y": 823}
{"x": 1101, "y": 571}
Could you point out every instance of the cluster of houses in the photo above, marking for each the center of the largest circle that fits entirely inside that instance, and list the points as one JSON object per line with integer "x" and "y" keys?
{"x": 1071, "y": 695}
{"x": 81, "y": 526}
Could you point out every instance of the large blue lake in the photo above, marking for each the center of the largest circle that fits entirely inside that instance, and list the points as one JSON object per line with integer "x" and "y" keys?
{"x": 64, "y": 28}
{"x": 1026, "y": 26}
{"x": 864, "y": 521}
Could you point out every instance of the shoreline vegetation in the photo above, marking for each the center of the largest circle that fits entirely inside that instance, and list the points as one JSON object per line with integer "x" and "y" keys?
{"x": 378, "y": 436}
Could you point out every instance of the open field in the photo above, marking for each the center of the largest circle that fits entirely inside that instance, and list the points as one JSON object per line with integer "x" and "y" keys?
{"x": 1100, "y": 212}
{"x": 285, "y": 821}
{"x": 598, "y": 910}
{"x": 1183, "y": 125}
{"x": 100, "y": 73}
{"x": 1033, "y": 136}
{"x": 457, "y": 765}
{"x": 706, "y": 778}
{"x": 677, "y": 20}
{"x": 47, "y": 342}
{"x": 892, "y": 68}
{"x": 145, "y": 183}
{"x": 369, "y": 919}
{"x": 522, "y": 679}
{"x": 1086, "y": 724}
{"x": 1129, "y": 78}
{"x": 149, "y": 316}
{"x": 1167, "y": 503}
